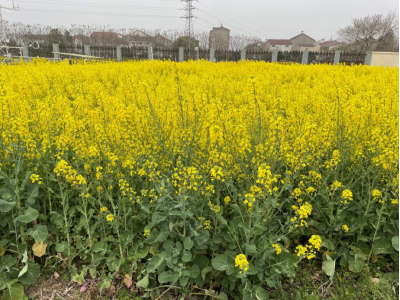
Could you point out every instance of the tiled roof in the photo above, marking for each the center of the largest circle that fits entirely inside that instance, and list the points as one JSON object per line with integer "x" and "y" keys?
{"x": 279, "y": 42}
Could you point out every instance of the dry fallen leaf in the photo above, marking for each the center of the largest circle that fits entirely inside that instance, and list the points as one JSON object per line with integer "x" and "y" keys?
{"x": 128, "y": 281}
{"x": 56, "y": 275}
{"x": 39, "y": 249}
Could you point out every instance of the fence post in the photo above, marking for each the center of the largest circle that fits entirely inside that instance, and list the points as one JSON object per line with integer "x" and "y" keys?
{"x": 119, "y": 53}
{"x": 56, "y": 48}
{"x": 336, "y": 59}
{"x": 243, "y": 54}
{"x": 212, "y": 54}
{"x": 304, "y": 59}
{"x": 87, "y": 50}
{"x": 150, "y": 52}
{"x": 368, "y": 58}
{"x": 181, "y": 49}
{"x": 25, "y": 51}
{"x": 197, "y": 54}
{"x": 274, "y": 56}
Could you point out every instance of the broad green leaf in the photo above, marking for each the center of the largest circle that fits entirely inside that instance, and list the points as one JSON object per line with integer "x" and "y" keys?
{"x": 33, "y": 192}
{"x": 6, "y": 262}
{"x": 168, "y": 277}
{"x": 126, "y": 237}
{"x": 155, "y": 262}
{"x": 328, "y": 266}
{"x": 259, "y": 293}
{"x": 381, "y": 246}
{"x": 23, "y": 270}
{"x": 30, "y": 215}
{"x": 194, "y": 271}
{"x": 188, "y": 243}
{"x": 6, "y": 206}
{"x": 183, "y": 280}
{"x": 15, "y": 292}
{"x": 356, "y": 265}
{"x": 100, "y": 247}
{"x": 61, "y": 247}
{"x": 205, "y": 271}
{"x": 143, "y": 283}
{"x": 202, "y": 237}
{"x": 186, "y": 256}
{"x": 251, "y": 249}
{"x": 31, "y": 275}
{"x": 221, "y": 296}
{"x": 224, "y": 262}
{"x": 39, "y": 233}
{"x": 395, "y": 243}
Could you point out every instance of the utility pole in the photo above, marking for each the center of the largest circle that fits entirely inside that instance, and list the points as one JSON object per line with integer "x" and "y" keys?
{"x": 189, "y": 18}
{"x": 3, "y": 37}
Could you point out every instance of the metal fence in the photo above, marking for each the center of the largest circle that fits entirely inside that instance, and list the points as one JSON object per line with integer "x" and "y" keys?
{"x": 123, "y": 53}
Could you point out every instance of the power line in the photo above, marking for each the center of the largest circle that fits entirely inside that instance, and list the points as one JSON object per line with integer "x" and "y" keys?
{"x": 96, "y": 13}
{"x": 227, "y": 8}
{"x": 248, "y": 28}
{"x": 74, "y": 3}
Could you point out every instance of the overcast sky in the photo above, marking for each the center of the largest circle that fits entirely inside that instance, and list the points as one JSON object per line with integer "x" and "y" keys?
{"x": 262, "y": 18}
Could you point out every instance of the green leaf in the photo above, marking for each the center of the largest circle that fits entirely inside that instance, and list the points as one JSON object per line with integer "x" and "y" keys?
{"x": 183, "y": 280}
{"x": 126, "y": 237}
{"x": 186, "y": 256}
{"x": 6, "y": 262}
{"x": 356, "y": 265}
{"x": 205, "y": 271}
{"x": 31, "y": 275}
{"x": 224, "y": 262}
{"x": 39, "y": 233}
{"x": 15, "y": 292}
{"x": 155, "y": 262}
{"x": 30, "y": 215}
{"x": 357, "y": 223}
{"x": 6, "y": 206}
{"x": 61, "y": 247}
{"x": 32, "y": 194}
{"x": 251, "y": 249}
{"x": 194, "y": 271}
{"x": 328, "y": 266}
{"x": 169, "y": 246}
{"x": 381, "y": 246}
{"x": 143, "y": 283}
{"x": 202, "y": 237}
{"x": 395, "y": 243}
{"x": 100, "y": 247}
{"x": 188, "y": 243}
{"x": 221, "y": 296}
{"x": 259, "y": 293}
{"x": 168, "y": 276}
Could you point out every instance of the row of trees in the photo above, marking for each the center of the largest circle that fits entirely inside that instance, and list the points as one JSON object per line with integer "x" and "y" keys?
{"x": 376, "y": 32}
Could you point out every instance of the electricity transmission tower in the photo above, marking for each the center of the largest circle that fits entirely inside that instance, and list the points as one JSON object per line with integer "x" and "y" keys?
{"x": 189, "y": 17}
{"x": 3, "y": 37}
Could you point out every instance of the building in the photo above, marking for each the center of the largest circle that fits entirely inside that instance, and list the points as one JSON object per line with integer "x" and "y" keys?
{"x": 279, "y": 44}
{"x": 258, "y": 46}
{"x": 219, "y": 38}
{"x": 329, "y": 45}
{"x": 302, "y": 40}
{"x": 106, "y": 38}
{"x": 162, "y": 41}
{"x": 139, "y": 38}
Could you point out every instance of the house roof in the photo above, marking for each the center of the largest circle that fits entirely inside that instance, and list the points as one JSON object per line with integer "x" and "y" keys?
{"x": 138, "y": 33}
{"x": 279, "y": 42}
{"x": 300, "y": 35}
{"x": 329, "y": 43}
{"x": 220, "y": 28}
{"x": 104, "y": 34}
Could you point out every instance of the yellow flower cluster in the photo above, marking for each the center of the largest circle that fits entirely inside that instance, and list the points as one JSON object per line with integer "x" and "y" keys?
{"x": 64, "y": 169}
{"x": 103, "y": 209}
{"x": 302, "y": 214}
{"x": 146, "y": 233}
{"x": 345, "y": 228}
{"x": 278, "y": 249}
{"x": 241, "y": 263}
{"x": 207, "y": 225}
{"x": 347, "y": 196}
{"x": 227, "y": 200}
{"x": 110, "y": 218}
{"x": 377, "y": 196}
{"x": 36, "y": 178}
{"x": 309, "y": 250}
{"x": 213, "y": 207}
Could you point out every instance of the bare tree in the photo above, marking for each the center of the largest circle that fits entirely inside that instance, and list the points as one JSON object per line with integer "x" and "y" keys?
{"x": 376, "y": 32}
{"x": 238, "y": 42}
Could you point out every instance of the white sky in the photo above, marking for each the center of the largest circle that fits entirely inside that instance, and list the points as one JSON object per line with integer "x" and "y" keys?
{"x": 262, "y": 18}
